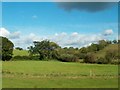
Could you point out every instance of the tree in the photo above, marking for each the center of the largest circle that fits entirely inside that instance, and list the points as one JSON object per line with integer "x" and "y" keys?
{"x": 83, "y": 50}
{"x": 102, "y": 44}
{"x": 109, "y": 42}
{"x": 93, "y": 47}
{"x": 45, "y": 49}
{"x": 111, "y": 54}
{"x": 7, "y": 49}
{"x": 114, "y": 41}
{"x": 118, "y": 41}
{"x": 90, "y": 58}
{"x": 19, "y": 48}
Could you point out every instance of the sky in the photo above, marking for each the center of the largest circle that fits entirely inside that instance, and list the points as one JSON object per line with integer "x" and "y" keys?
{"x": 67, "y": 24}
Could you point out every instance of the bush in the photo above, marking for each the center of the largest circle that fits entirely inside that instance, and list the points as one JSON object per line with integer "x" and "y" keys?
{"x": 112, "y": 54}
{"x": 116, "y": 62}
{"x": 109, "y": 56}
{"x": 25, "y": 58}
{"x": 82, "y": 55}
{"x": 89, "y": 58}
{"x": 68, "y": 58}
{"x": 102, "y": 60}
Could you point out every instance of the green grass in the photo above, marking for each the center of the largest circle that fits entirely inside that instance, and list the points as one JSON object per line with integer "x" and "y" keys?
{"x": 20, "y": 53}
{"x": 54, "y": 74}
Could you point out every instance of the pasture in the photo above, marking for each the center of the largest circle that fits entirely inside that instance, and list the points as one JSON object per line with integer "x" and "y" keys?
{"x": 20, "y": 53}
{"x": 55, "y": 74}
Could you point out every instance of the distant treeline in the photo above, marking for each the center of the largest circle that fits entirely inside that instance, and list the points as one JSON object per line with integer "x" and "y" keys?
{"x": 47, "y": 50}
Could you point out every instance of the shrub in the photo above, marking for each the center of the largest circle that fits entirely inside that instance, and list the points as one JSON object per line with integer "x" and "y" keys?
{"x": 112, "y": 54}
{"x": 82, "y": 55}
{"x": 89, "y": 58}
{"x": 25, "y": 58}
{"x": 109, "y": 56}
{"x": 115, "y": 62}
{"x": 68, "y": 58}
{"x": 102, "y": 60}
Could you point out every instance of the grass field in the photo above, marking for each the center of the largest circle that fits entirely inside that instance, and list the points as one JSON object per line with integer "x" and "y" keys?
{"x": 54, "y": 74}
{"x": 20, "y": 53}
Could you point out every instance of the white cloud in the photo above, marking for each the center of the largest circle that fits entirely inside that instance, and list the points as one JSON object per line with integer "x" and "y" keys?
{"x": 74, "y": 34}
{"x": 4, "y": 32}
{"x": 30, "y": 38}
{"x": 108, "y": 32}
{"x": 75, "y": 39}
{"x": 64, "y": 39}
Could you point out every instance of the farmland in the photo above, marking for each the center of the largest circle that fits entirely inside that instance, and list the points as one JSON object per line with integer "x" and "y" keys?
{"x": 58, "y": 44}
{"x": 55, "y": 74}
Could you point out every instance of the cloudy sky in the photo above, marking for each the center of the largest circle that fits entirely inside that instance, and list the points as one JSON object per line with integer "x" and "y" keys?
{"x": 68, "y": 24}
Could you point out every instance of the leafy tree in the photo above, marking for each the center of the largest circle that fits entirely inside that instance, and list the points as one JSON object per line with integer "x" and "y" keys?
{"x": 32, "y": 51}
{"x": 83, "y": 50}
{"x": 93, "y": 48}
{"x": 111, "y": 54}
{"x": 118, "y": 41}
{"x": 45, "y": 49}
{"x": 115, "y": 41}
{"x": 102, "y": 44}
{"x": 109, "y": 42}
{"x": 19, "y": 48}
{"x": 6, "y": 47}
{"x": 90, "y": 58}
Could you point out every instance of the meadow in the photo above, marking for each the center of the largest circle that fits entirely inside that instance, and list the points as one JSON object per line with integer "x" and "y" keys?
{"x": 55, "y": 74}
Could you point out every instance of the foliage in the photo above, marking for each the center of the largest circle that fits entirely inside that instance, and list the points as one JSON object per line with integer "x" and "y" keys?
{"x": 45, "y": 49}
{"x": 19, "y": 48}
{"x": 7, "y": 48}
{"x": 93, "y": 48}
{"x": 90, "y": 58}
{"x": 115, "y": 41}
{"x": 17, "y": 58}
{"x": 68, "y": 58}
{"x": 111, "y": 54}
{"x": 102, "y": 60}
{"x": 95, "y": 53}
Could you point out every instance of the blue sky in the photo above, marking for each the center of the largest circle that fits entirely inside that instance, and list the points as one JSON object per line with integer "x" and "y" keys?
{"x": 29, "y": 21}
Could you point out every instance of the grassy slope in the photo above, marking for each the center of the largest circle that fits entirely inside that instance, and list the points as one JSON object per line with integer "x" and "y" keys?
{"x": 101, "y": 53}
{"x": 56, "y": 74}
{"x": 20, "y": 53}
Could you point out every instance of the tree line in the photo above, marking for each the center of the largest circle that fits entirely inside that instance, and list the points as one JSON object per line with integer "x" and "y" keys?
{"x": 48, "y": 50}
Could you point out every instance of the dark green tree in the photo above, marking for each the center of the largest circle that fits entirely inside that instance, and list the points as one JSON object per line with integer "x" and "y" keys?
{"x": 93, "y": 47}
{"x": 45, "y": 49}
{"x": 102, "y": 44}
{"x": 19, "y": 48}
{"x": 6, "y": 47}
{"x": 115, "y": 41}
